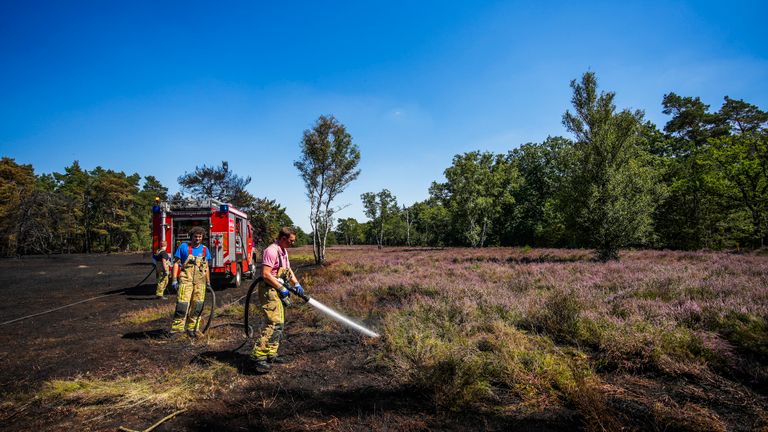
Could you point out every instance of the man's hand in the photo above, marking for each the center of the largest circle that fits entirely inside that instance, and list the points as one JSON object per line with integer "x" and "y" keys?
{"x": 208, "y": 286}
{"x": 299, "y": 290}
{"x": 283, "y": 292}
{"x": 175, "y": 284}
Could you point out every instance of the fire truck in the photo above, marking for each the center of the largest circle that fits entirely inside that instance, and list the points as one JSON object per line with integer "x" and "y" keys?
{"x": 229, "y": 235}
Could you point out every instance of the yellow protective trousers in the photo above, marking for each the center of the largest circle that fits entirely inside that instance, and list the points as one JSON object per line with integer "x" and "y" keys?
{"x": 274, "y": 314}
{"x": 162, "y": 280}
{"x": 191, "y": 296}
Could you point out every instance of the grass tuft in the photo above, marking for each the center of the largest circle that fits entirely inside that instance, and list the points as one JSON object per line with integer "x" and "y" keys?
{"x": 146, "y": 315}
{"x": 171, "y": 389}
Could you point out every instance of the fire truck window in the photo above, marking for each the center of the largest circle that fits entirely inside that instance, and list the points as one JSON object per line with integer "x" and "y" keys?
{"x": 181, "y": 230}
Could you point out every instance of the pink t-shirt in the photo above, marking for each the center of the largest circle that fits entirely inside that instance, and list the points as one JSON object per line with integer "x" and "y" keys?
{"x": 272, "y": 256}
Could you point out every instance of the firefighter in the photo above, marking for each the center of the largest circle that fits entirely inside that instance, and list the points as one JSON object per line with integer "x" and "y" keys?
{"x": 162, "y": 267}
{"x": 273, "y": 297}
{"x": 191, "y": 277}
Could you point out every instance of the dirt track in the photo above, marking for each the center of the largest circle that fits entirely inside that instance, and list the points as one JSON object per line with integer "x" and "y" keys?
{"x": 330, "y": 384}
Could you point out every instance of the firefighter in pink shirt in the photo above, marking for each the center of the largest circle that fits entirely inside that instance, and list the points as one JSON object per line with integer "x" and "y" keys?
{"x": 273, "y": 296}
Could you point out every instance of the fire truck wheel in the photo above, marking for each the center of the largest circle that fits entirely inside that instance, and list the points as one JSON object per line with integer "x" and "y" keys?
{"x": 238, "y": 279}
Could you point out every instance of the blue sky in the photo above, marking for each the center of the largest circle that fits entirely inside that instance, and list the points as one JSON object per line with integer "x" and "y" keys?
{"x": 161, "y": 87}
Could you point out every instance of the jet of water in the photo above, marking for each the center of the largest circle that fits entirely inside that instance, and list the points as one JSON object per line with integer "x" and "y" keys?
{"x": 341, "y": 318}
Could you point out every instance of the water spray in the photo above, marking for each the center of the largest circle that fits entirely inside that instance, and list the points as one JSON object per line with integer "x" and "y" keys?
{"x": 341, "y": 318}
{"x": 332, "y": 313}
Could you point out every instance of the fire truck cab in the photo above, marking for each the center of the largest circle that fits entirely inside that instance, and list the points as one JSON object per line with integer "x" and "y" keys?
{"x": 229, "y": 235}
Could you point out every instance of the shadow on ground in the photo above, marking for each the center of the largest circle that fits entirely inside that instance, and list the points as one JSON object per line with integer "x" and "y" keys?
{"x": 148, "y": 334}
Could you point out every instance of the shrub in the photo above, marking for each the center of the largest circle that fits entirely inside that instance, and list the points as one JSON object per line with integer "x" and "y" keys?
{"x": 464, "y": 358}
{"x": 558, "y": 318}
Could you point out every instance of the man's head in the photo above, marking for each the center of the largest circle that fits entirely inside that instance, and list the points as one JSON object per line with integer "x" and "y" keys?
{"x": 196, "y": 235}
{"x": 286, "y": 237}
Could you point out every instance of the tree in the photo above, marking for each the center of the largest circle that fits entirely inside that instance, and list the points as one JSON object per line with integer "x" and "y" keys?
{"x": 613, "y": 187}
{"x": 114, "y": 204}
{"x": 536, "y": 219}
{"x": 16, "y": 184}
{"x": 328, "y": 164}
{"x": 380, "y": 207}
{"x": 689, "y": 216}
{"x": 217, "y": 183}
{"x": 267, "y": 217}
{"x": 409, "y": 221}
{"x": 739, "y": 163}
{"x": 76, "y": 184}
{"x": 153, "y": 189}
{"x": 478, "y": 187}
{"x": 432, "y": 222}
{"x": 349, "y": 231}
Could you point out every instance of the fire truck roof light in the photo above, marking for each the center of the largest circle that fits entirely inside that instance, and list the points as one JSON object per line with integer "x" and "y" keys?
{"x": 223, "y": 208}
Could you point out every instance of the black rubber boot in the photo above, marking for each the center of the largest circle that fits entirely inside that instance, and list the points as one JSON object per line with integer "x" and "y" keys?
{"x": 260, "y": 366}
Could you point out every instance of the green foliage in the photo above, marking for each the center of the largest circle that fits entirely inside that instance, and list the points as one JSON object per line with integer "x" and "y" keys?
{"x": 699, "y": 183}
{"x": 612, "y": 189}
{"x": 689, "y": 217}
{"x": 17, "y": 182}
{"x": 267, "y": 217}
{"x": 217, "y": 182}
{"x": 478, "y": 187}
{"x": 702, "y": 182}
{"x": 382, "y": 209}
{"x": 74, "y": 211}
{"x": 738, "y": 164}
{"x": 327, "y": 165}
{"x": 542, "y": 168}
{"x": 349, "y": 231}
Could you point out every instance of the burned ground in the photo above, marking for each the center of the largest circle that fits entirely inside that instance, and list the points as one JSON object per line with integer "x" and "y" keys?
{"x": 336, "y": 380}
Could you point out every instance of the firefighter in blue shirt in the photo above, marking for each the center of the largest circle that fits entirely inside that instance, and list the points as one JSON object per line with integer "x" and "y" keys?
{"x": 190, "y": 282}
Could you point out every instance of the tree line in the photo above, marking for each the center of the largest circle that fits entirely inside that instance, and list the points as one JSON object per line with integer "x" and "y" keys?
{"x": 618, "y": 181}
{"x": 102, "y": 210}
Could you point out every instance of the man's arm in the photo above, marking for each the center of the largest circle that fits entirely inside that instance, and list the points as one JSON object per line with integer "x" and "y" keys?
{"x": 266, "y": 273}
{"x": 175, "y": 272}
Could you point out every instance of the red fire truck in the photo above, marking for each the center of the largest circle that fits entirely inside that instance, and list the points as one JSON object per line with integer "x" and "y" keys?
{"x": 229, "y": 235}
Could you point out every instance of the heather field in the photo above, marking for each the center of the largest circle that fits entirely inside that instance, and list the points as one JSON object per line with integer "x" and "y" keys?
{"x": 659, "y": 340}
{"x": 472, "y": 339}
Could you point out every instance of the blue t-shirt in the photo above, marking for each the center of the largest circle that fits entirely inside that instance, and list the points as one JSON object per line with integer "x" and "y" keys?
{"x": 182, "y": 252}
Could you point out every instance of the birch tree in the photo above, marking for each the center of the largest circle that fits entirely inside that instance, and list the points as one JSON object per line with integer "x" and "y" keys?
{"x": 328, "y": 164}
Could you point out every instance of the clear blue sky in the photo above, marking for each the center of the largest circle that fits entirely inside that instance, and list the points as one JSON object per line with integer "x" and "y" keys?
{"x": 160, "y": 87}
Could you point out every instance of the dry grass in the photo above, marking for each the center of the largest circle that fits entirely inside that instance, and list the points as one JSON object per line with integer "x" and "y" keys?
{"x": 171, "y": 389}
{"x": 148, "y": 314}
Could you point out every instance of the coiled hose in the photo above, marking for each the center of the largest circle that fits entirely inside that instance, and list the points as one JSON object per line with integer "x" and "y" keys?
{"x": 247, "y": 327}
{"x": 213, "y": 307}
